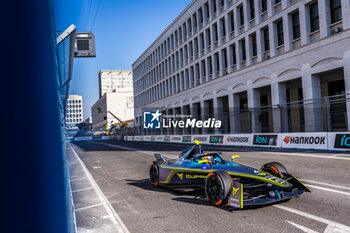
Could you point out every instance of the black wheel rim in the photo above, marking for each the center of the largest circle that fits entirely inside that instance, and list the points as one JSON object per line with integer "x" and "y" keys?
{"x": 214, "y": 188}
{"x": 153, "y": 173}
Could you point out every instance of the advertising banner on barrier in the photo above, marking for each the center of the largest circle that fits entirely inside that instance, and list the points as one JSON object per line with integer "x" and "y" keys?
{"x": 186, "y": 139}
{"x": 166, "y": 138}
{"x": 339, "y": 141}
{"x": 237, "y": 140}
{"x": 202, "y": 138}
{"x": 130, "y": 138}
{"x": 159, "y": 138}
{"x": 216, "y": 139}
{"x": 137, "y": 138}
{"x": 106, "y": 137}
{"x": 269, "y": 140}
{"x": 176, "y": 138}
{"x": 147, "y": 138}
{"x": 82, "y": 138}
{"x": 304, "y": 140}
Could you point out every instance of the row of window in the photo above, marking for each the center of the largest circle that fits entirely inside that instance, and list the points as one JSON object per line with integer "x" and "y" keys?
{"x": 73, "y": 101}
{"x": 237, "y": 51}
{"x": 73, "y": 110}
{"x": 73, "y": 115}
{"x": 73, "y": 120}
{"x": 74, "y": 106}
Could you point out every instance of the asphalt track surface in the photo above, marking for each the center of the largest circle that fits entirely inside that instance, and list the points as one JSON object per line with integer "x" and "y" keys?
{"x": 120, "y": 170}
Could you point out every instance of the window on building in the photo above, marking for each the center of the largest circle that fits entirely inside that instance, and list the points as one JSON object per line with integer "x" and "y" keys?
{"x": 223, "y": 28}
{"x": 241, "y": 15}
{"x": 263, "y": 6}
{"x": 280, "y": 36}
{"x": 210, "y": 66}
{"x": 335, "y": 10}
{"x": 252, "y": 9}
{"x": 314, "y": 17}
{"x": 200, "y": 16}
{"x": 206, "y": 7}
{"x": 266, "y": 39}
{"x": 213, "y": 3}
{"x": 277, "y": 1}
{"x": 217, "y": 61}
{"x": 233, "y": 54}
{"x": 215, "y": 32}
{"x": 224, "y": 58}
{"x": 296, "y": 25}
{"x": 232, "y": 21}
{"x": 254, "y": 47}
{"x": 243, "y": 50}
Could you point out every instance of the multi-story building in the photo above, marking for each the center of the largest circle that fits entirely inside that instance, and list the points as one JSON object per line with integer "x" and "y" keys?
{"x": 119, "y": 104}
{"x": 74, "y": 111}
{"x": 258, "y": 65}
{"x": 114, "y": 80}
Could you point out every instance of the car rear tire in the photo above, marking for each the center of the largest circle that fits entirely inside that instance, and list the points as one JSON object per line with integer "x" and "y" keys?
{"x": 154, "y": 174}
{"x": 275, "y": 168}
{"x": 218, "y": 186}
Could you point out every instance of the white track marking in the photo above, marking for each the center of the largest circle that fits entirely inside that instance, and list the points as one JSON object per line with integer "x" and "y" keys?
{"x": 326, "y": 184}
{"x": 80, "y": 190}
{"x": 336, "y": 225}
{"x": 82, "y": 178}
{"x": 327, "y": 189}
{"x": 304, "y": 229}
{"x": 89, "y": 207}
{"x": 116, "y": 220}
{"x": 304, "y": 155}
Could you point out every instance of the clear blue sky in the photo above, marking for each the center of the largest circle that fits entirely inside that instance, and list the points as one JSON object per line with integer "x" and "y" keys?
{"x": 123, "y": 30}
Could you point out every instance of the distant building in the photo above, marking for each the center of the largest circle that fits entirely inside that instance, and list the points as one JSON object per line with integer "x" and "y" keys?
{"x": 87, "y": 124}
{"x": 120, "y": 103}
{"x": 114, "y": 80}
{"x": 74, "y": 111}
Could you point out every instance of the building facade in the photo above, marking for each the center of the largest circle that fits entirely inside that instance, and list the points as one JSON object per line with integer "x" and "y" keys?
{"x": 257, "y": 65}
{"x": 114, "y": 80}
{"x": 74, "y": 111}
{"x": 120, "y": 104}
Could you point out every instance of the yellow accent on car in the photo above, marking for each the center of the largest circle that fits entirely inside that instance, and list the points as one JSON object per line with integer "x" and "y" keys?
{"x": 234, "y": 191}
{"x": 181, "y": 175}
{"x": 197, "y": 142}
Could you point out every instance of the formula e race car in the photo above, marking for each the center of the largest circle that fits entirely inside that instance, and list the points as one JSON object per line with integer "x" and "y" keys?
{"x": 226, "y": 182}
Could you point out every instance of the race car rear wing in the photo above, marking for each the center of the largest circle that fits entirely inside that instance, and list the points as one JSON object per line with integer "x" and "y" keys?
{"x": 160, "y": 158}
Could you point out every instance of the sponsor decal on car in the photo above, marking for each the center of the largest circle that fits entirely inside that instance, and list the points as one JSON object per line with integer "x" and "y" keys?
{"x": 216, "y": 139}
{"x": 195, "y": 177}
{"x": 270, "y": 140}
{"x": 342, "y": 141}
{"x": 305, "y": 140}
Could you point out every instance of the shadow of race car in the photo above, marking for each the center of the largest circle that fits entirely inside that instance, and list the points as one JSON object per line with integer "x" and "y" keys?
{"x": 226, "y": 182}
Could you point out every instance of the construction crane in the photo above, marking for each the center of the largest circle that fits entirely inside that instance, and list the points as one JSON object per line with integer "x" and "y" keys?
{"x": 121, "y": 122}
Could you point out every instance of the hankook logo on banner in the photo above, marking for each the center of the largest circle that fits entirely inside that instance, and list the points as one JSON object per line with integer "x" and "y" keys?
{"x": 155, "y": 120}
{"x": 342, "y": 141}
{"x": 269, "y": 140}
{"x": 237, "y": 139}
{"x": 199, "y": 138}
{"x": 305, "y": 140}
